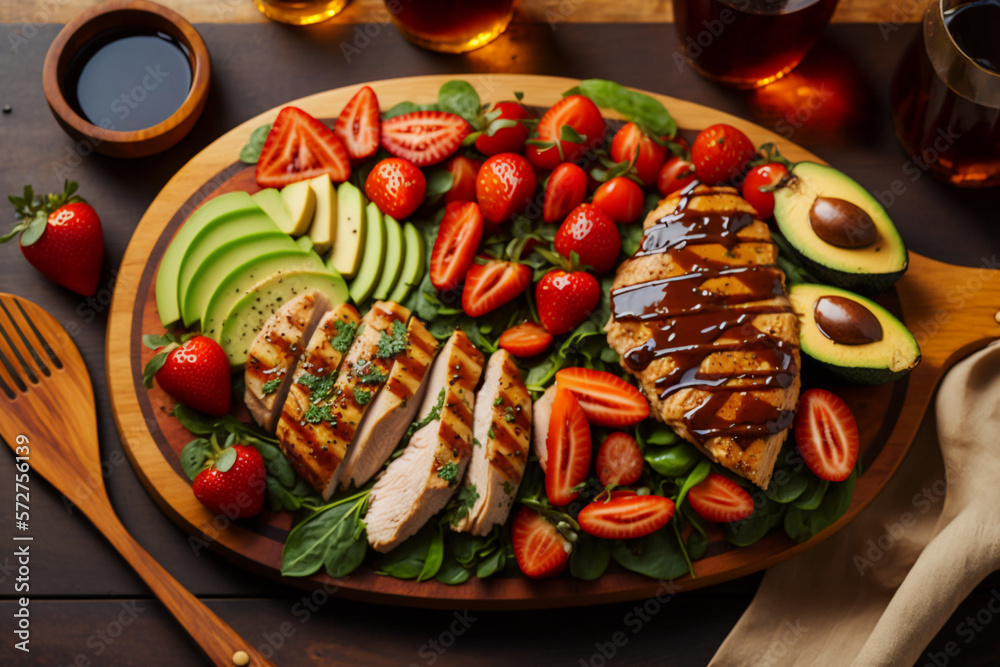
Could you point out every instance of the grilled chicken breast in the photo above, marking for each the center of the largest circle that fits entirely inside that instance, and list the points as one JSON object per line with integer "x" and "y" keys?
{"x": 541, "y": 416}
{"x": 701, "y": 317}
{"x": 391, "y": 410}
{"x": 326, "y": 434}
{"x": 502, "y": 430}
{"x": 310, "y": 394}
{"x": 418, "y": 484}
{"x": 274, "y": 353}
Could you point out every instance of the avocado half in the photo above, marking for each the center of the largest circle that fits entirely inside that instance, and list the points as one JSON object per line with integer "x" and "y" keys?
{"x": 872, "y": 268}
{"x": 877, "y": 362}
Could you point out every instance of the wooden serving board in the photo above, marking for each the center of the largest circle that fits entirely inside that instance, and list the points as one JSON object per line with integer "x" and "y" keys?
{"x": 951, "y": 310}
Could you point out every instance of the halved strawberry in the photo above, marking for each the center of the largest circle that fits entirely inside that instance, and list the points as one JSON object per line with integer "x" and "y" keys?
{"x": 720, "y": 500}
{"x": 299, "y": 147}
{"x": 358, "y": 125}
{"x": 606, "y": 399}
{"x": 492, "y": 284}
{"x": 827, "y": 435}
{"x": 463, "y": 172}
{"x": 619, "y": 460}
{"x": 424, "y": 137}
{"x": 626, "y": 516}
{"x": 527, "y": 339}
{"x": 540, "y": 549}
{"x": 568, "y": 448}
{"x": 456, "y": 244}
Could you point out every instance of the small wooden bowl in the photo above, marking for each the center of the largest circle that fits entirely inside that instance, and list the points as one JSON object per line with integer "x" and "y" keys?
{"x": 115, "y": 15}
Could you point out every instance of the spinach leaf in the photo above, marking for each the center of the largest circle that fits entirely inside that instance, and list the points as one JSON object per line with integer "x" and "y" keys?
{"x": 460, "y": 98}
{"x": 333, "y": 538}
{"x": 406, "y": 107}
{"x": 590, "y": 557}
{"x": 435, "y": 557}
{"x": 673, "y": 461}
{"x": 492, "y": 563}
{"x": 452, "y": 573}
{"x": 251, "y": 152}
{"x": 194, "y": 456}
{"x": 813, "y": 495}
{"x": 408, "y": 560}
{"x": 786, "y": 485}
{"x": 802, "y": 524}
{"x": 697, "y": 545}
{"x": 645, "y": 111}
{"x": 657, "y": 555}
{"x": 696, "y": 477}
{"x": 746, "y": 531}
{"x": 662, "y": 435}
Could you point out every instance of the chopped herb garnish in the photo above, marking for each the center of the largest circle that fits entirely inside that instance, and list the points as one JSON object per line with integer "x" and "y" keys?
{"x": 490, "y": 434}
{"x": 270, "y": 386}
{"x": 508, "y": 488}
{"x": 362, "y": 396}
{"x": 448, "y": 472}
{"x": 508, "y": 414}
{"x": 498, "y": 400}
{"x": 345, "y": 335}
{"x": 435, "y": 413}
{"x": 389, "y": 345}
{"x": 318, "y": 386}
{"x": 316, "y": 414}
{"x": 461, "y": 504}
{"x": 475, "y": 441}
{"x": 368, "y": 373}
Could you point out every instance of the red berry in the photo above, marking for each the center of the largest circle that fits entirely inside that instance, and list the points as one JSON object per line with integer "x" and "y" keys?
{"x": 238, "y": 490}
{"x": 759, "y": 177}
{"x": 506, "y": 139}
{"x": 564, "y": 300}
{"x": 676, "y": 174}
{"x": 197, "y": 375}
{"x": 621, "y": 198}
{"x": 565, "y": 190}
{"x": 505, "y": 186}
{"x": 590, "y": 233}
{"x": 719, "y": 154}
{"x": 632, "y": 145}
{"x": 396, "y": 186}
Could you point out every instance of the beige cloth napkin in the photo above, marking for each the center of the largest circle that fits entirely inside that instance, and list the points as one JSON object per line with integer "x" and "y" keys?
{"x": 834, "y": 605}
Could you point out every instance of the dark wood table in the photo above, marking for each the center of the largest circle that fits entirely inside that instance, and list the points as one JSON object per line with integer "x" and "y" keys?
{"x": 89, "y": 608}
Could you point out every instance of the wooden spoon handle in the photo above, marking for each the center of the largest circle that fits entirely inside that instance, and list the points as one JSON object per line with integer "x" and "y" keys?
{"x": 219, "y": 641}
{"x": 954, "y": 562}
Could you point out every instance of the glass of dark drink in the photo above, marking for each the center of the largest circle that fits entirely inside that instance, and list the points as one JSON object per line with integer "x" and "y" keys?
{"x": 748, "y": 43}
{"x": 451, "y": 26}
{"x": 300, "y": 12}
{"x": 946, "y": 93}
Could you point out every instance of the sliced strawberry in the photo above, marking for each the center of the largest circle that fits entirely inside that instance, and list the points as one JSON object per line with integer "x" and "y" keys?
{"x": 564, "y": 191}
{"x": 720, "y": 500}
{"x": 606, "y": 399}
{"x": 527, "y": 339}
{"x": 827, "y": 435}
{"x": 626, "y": 516}
{"x": 463, "y": 172}
{"x": 358, "y": 125}
{"x": 456, "y": 244}
{"x": 299, "y": 147}
{"x": 619, "y": 460}
{"x": 492, "y": 284}
{"x": 424, "y": 137}
{"x": 540, "y": 549}
{"x": 567, "y": 448}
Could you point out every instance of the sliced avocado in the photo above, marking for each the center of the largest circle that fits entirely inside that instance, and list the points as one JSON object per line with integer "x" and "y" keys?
{"x": 166, "y": 274}
{"x": 304, "y": 242}
{"x": 224, "y": 259}
{"x": 414, "y": 264}
{"x": 323, "y": 230}
{"x": 270, "y": 201}
{"x": 851, "y": 336}
{"x": 395, "y": 246}
{"x": 225, "y": 230}
{"x": 242, "y": 279}
{"x": 862, "y": 250}
{"x": 248, "y": 315}
{"x": 371, "y": 263}
{"x": 347, "y": 251}
{"x": 300, "y": 201}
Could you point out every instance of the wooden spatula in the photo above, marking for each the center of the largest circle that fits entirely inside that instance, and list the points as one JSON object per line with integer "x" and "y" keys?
{"x": 49, "y": 417}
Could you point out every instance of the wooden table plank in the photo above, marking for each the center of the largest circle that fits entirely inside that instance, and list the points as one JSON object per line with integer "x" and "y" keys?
{"x": 529, "y": 11}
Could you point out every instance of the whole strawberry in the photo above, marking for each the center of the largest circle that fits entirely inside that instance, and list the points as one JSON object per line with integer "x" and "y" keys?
{"x": 565, "y": 300}
{"x": 195, "y": 372}
{"x": 234, "y": 484}
{"x": 592, "y": 235}
{"x": 61, "y": 236}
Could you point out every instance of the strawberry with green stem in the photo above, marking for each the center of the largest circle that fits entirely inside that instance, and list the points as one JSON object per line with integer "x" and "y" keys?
{"x": 61, "y": 236}
{"x": 233, "y": 481}
{"x": 194, "y": 370}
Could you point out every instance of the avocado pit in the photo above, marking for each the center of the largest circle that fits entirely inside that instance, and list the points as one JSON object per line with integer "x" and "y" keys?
{"x": 842, "y": 223}
{"x": 845, "y": 321}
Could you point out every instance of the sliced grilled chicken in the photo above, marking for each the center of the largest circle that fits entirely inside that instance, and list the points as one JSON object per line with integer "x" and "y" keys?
{"x": 541, "y": 416}
{"x": 328, "y": 431}
{"x": 391, "y": 410}
{"x": 311, "y": 389}
{"x": 418, "y": 484}
{"x": 502, "y": 425}
{"x": 701, "y": 317}
{"x": 274, "y": 353}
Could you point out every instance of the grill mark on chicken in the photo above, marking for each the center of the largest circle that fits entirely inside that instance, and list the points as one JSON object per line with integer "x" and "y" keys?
{"x": 712, "y": 319}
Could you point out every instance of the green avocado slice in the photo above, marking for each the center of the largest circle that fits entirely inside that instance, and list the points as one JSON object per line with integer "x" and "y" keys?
{"x": 414, "y": 264}
{"x": 371, "y": 263}
{"x": 888, "y": 359}
{"x": 394, "y": 249}
{"x": 166, "y": 274}
{"x": 872, "y": 268}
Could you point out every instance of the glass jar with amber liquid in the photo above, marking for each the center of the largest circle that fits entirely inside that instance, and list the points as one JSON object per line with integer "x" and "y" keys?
{"x": 300, "y": 12}
{"x": 946, "y": 93}
{"x": 451, "y": 26}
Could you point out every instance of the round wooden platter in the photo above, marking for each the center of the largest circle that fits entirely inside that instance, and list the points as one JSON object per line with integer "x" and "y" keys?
{"x": 950, "y": 309}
